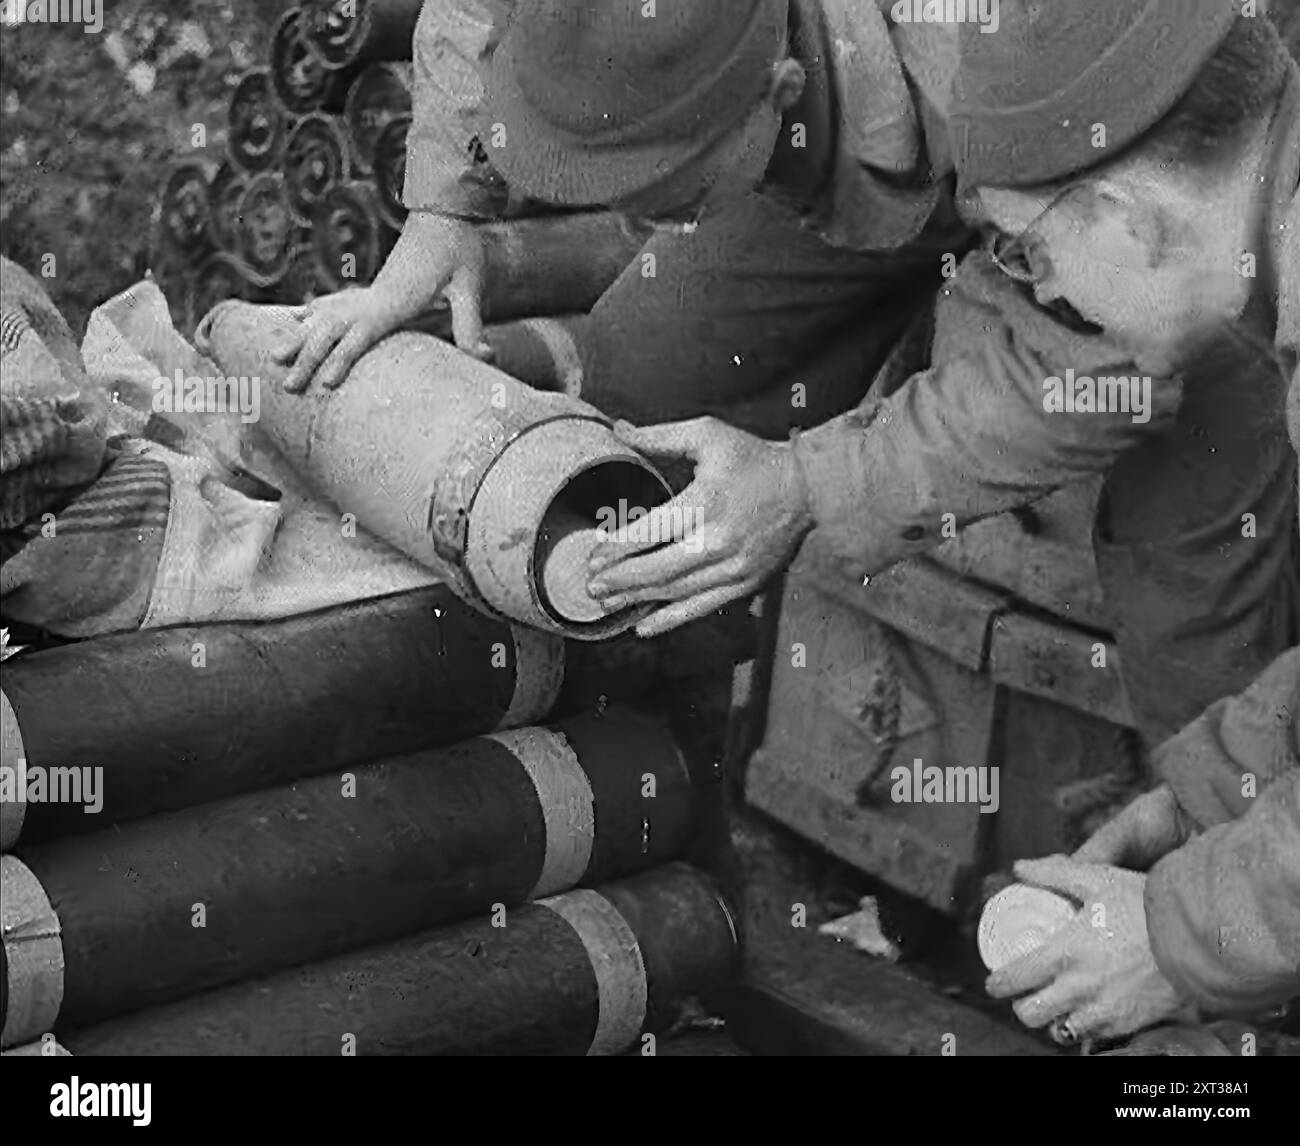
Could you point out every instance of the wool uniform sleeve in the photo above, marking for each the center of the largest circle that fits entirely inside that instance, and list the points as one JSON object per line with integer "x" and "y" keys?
{"x": 1255, "y": 735}
{"x": 973, "y": 436}
{"x": 447, "y": 169}
{"x": 1223, "y": 911}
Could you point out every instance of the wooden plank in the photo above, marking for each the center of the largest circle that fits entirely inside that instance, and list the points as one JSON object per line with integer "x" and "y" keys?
{"x": 919, "y": 599}
{"x": 835, "y": 1001}
{"x": 850, "y": 702}
{"x": 1053, "y": 660}
{"x": 804, "y": 993}
{"x": 1042, "y": 556}
{"x": 913, "y": 861}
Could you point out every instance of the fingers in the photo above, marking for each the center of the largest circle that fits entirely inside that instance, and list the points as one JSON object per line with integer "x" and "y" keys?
{"x": 339, "y": 364}
{"x": 289, "y": 339}
{"x": 1097, "y": 1020}
{"x": 671, "y": 440}
{"x": 1060, "y": 998}
{"x": 1140, "y": 834}
{"x": 1108, "y": 845}
{"x": 288, "y": 345}
{"x": 669, "y": 524}
{"x": 464, "y": 294}
{"x": 323, "y": 334}
{"x": 691, "y": 575}
{"x": 684, "y": 612}
{"x": 1082, "y": 881}
{"x": 1029, "y": 972}
{"x": 681, "y": 584}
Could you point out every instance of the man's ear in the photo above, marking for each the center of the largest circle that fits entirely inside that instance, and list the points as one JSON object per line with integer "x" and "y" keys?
{"x": 1119, "y": 204}
{"x": 788, "y": 80}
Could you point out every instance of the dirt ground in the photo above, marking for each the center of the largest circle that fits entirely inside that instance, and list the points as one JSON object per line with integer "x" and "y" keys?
{"x": 90, "y": 122}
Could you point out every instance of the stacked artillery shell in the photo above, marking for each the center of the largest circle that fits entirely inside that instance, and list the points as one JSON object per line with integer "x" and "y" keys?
{"x": 104, "y": 924}
{"x": 158, "y": 928}
{"x": 316, "y": 160}
{"x": 479, "y": 477}
{"x": 218, "y": 277}
{"x": 351, "y": 239}
{"x": 549, "y": 266}
{"x": 224, "y": 196}
{"x": 349, "y": 32}
{"x": 257, "y": 705}
{"x": 199, "y": 255}
{"x": 542, "y": 352}
{"x": 381, "y": 94}
{"x": 556, "y": 265}
{"x": 390, "y": 170}
{"x": 185, "y": 207}
{"x": 267, "y": 235}
{"x": 301, "y": 81}
{"x": 258, "y": 123}
{"x": 183, "y": 231}
{"x": 583, "y": 973}
{"x": 303, "y": 279}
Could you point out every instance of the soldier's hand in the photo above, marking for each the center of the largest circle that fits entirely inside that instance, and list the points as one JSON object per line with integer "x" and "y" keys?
{"x": 335, "y": 330}
{"x": 1097, "y": 973}
{"x": 738, "y": 522}
{"x": 435, "y": 256}
{"x": 1150, "y": 827}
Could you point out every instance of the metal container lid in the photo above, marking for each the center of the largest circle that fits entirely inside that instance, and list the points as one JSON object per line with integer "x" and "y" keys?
{"x": 1017, "y": 920}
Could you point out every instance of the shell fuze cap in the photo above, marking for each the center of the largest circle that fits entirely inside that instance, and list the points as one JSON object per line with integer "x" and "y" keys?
{"x": 1029, "y": 95}
{"x": 590, "y": 102}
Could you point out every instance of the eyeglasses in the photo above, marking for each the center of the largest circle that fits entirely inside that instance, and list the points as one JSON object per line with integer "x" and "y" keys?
{"x": 1010, "y": 253}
